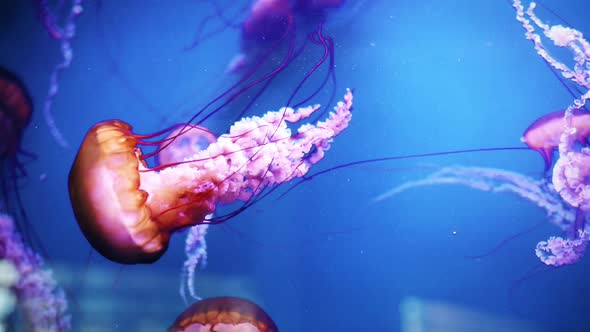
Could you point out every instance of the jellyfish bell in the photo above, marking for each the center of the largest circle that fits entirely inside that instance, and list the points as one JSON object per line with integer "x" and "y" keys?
{"x": 544, "y": 134}
{"x": 127, "y": 210}
{"x": 224, "y": 314}
{"x": 272, "y": 24}
{"x": 119, "y": 210}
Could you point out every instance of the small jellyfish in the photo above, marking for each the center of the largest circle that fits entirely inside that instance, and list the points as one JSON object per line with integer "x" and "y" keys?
{"x": 224, "y": 314}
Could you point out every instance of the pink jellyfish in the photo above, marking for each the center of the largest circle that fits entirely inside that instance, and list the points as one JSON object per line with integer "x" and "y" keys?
{"x": 16, "y": 109}
{"x": 128, "y": 211}
{"x": 43, "y": 302}
{"x": 271, "y": 23}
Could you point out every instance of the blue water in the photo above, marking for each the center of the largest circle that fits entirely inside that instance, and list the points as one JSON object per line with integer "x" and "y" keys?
{"x": 428, "y": 76}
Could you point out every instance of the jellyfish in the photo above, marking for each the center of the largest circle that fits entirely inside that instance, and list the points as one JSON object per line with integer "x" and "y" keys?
{"x": 127, "y": 211}
{"x": 273, "y": 35}
{"x": 538, "y": 191}
{"x": 50, "y": 18}
{"x": 224, "y": 314}
{"x": 272, "y": 22}
{"x": 545, "y": 133}
{"x": 16, "y": 108}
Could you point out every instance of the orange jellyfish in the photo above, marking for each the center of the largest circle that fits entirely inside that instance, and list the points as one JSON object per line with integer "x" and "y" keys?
{"x": 127, "y": 211}
{"x": 224, "y": 314}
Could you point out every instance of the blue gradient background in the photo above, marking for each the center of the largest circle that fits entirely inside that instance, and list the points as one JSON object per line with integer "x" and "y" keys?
{"x": 428, "y": 75}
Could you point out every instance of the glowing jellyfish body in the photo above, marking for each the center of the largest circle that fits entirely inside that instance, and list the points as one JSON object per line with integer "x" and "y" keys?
{"x": 273, "y": 24}
{"x": 224, "y": 314}
{"x": 127, "y": 211}
{"x": 43, "y": 302}
{"x": 274, "y": 36}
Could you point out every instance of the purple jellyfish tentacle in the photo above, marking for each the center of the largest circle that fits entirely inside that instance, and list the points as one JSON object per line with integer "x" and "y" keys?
{"x": 556, "y": 251}
{"x": 43, "y": 301}
{"x": 497, "y": 180}
{"x": 195, "y": 249}
{"x": 64, "y": 35}
{"x": 571, "y": 169}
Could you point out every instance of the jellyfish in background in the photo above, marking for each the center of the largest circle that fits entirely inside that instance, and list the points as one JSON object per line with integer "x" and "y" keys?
{"x": 274, "y": 34}
{"x": 268, "y": 24}
{"x": 540, "y": 192}
{"x": 50, "y": 18}
{"x": 42, "y": 300}
{"x": 16, "y": 108}
{"x": 127, "y": 211}
{"x": 224, "y": 314}
{"x": 571, "y": 171}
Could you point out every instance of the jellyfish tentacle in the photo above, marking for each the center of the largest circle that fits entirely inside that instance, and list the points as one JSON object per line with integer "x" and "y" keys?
{"x": 64, "y": 35}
